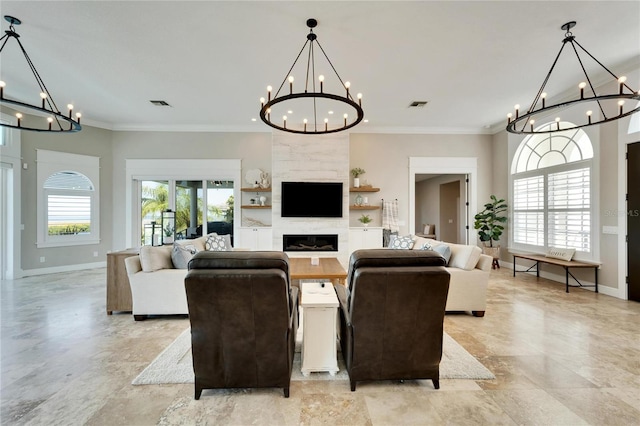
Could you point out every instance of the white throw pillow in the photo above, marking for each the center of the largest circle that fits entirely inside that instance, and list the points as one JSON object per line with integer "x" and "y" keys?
{"x": 182, "y": 252}
{"x": 216, "y": 243}
{"x": 155, "y": 258}
{"x": 402, "y": 243}
{"x": 560, "y": 253}
{"x": 464, "y": 256}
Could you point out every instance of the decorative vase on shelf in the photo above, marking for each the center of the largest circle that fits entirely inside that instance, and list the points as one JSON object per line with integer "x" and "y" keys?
{"x": 262, "y": 200}
{"x": 356, "y": 182}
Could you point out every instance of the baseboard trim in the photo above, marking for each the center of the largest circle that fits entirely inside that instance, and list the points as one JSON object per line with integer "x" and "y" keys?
{"x": 65, "y": 268}
{"x": 602, "y": 289}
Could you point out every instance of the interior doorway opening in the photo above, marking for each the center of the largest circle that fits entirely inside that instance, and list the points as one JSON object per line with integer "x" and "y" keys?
{"x": 423, "y": 194}
{"x": 441, "y": 201}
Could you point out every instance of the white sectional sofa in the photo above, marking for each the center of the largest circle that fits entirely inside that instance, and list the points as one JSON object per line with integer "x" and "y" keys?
{"x": 156, "y": 277}
{"x": 159, "y": 292}
{"x": 470, "y": 270}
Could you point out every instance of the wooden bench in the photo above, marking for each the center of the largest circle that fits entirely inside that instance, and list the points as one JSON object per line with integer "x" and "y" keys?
{"x": 539, "y": 258}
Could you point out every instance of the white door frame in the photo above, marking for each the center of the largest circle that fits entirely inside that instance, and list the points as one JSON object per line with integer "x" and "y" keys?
{"x": 443, "y": 165}
{"x": 10, "y": 235}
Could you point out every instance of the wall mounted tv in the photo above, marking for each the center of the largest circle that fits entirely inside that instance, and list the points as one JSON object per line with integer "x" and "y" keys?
{"x": 311, "y": 199}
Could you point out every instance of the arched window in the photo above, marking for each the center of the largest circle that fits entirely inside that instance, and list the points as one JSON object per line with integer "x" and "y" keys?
{"x": 552, "y": 196}
{"x": 68, "y": 199}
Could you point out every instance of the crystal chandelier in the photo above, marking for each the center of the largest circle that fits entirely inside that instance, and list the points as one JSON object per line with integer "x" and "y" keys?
{"x": 55, "y": 121}
{"x": 613, "y": 102}
{"x": 311, "y": 104}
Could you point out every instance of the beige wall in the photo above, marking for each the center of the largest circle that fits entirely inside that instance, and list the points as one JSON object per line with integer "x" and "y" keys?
{"x": 254, "y": 149}
{"x": 385, "y": 157}
{"x": 90, "y": 141}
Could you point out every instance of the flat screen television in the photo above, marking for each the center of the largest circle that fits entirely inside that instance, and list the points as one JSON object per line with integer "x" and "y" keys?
{"x": 311, "y": 199}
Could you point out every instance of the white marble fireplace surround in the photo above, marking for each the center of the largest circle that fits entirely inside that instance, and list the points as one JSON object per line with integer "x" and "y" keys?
{"x": 311, "y": 158}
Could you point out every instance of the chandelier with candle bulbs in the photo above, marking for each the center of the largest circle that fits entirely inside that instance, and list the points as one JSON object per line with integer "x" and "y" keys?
{"x": 313, "y": 110}
{"x": 608, "y": 106}
{"x": 53, "y": 119}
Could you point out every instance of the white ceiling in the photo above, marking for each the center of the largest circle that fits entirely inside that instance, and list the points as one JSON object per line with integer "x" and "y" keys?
{"x": 212, "y": 60}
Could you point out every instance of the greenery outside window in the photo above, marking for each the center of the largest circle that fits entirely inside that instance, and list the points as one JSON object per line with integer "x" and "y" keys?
{"x": 68, "y": 199}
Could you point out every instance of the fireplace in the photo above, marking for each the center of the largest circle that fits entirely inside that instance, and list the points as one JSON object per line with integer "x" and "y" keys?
{"x": 309, "y": 242}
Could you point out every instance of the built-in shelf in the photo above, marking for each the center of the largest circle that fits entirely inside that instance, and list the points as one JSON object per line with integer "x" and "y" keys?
{"x": 255, "y": 189}
{"x": 364, "y": 189}
{"x": 255, "y": 206}
{"x": 364, "y": 207}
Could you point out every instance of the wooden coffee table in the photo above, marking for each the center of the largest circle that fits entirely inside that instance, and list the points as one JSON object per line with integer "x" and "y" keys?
{"x": 300, "y": 268}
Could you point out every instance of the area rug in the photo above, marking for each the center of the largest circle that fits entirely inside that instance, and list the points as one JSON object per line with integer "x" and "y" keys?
{"x": 174, "y": 364}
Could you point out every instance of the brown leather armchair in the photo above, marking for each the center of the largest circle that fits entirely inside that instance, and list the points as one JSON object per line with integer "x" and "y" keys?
{"x": 244, "y": 318}
{"x": 392, "y": 313}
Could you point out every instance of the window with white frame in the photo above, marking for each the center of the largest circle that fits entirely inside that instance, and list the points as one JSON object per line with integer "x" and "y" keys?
{"x": 552, "y": 201}
{"x": 68, "y": 199}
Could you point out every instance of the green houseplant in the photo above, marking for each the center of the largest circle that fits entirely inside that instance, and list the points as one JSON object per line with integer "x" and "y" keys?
{"x": 356, "y": 172}
{"x": 365, "y": 219}
{"x": 489, "y": 222}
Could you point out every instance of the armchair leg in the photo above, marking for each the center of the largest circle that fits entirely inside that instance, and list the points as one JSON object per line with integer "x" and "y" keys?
{"x": 353, "y": 385}
{"x": 286, "y": 392}
{"x": 198, "y": 392}
{"x": 436, "y": 383}
{"x": 478, "y": 314}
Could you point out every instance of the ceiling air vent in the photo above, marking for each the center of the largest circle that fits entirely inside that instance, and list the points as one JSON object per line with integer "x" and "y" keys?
{"x": 417, "y": 104}
{"x": 160, "y": 103}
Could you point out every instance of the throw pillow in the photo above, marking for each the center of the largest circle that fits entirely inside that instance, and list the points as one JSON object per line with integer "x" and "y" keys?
{"x": 155, "y": 258}
{"x": 216, "y": 243}
{"x": 402, "y": 243}
{"x": 559, "y": 253}
{"x": 182, "y": 253}
{"x": 444, "y": 251}
{"x": 426, "y": 246}
{"x": 464, "y": 256}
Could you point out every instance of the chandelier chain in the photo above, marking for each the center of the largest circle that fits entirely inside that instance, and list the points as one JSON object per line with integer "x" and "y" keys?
{"x": 290, "y": 69}
{"x": 588, "y": 79}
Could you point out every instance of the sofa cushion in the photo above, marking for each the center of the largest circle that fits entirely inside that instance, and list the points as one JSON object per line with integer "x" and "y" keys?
{"x": 182, "y": 253}
{"x": 464, "y": 256}
{"x": 560, "y": 253}
{"x": 404, "y": 243}
{"x": 155, "y": 258}
{"x": 216, "y": 243}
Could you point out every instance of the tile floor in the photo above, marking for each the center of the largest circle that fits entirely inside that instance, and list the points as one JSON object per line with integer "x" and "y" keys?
{"x": 560, "y": 359}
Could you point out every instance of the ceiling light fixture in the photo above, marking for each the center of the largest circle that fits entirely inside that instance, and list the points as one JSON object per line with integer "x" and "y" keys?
{"x": 612, "y": 102}
{"x": 305, "y": 102}
{"x": 56, "y": 121}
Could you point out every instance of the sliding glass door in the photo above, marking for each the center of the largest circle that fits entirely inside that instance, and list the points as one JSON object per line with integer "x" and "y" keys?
{"x": 195, "y": 203}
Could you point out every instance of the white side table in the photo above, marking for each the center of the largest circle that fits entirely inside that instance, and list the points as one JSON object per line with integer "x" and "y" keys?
{"x": 319, "y": 312}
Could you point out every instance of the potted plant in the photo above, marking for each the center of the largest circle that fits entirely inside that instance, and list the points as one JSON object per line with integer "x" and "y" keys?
{"x": 356, "y": 172}
{"x": 168, "y": 234}
{"x": 365, "y": 219}
{"x": 489, "y": 223}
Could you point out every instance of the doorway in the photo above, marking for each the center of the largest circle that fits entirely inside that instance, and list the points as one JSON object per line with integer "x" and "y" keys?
{"x": 441, "y": 200}
{"x": 465, "y": 168}
{"x": 633, "y": 221}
